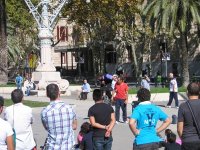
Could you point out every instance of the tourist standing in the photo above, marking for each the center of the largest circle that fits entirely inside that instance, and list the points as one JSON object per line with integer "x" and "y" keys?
{"x": 173, "y": 91}
{"x": 114, "y": 81}
{"x": 143, "y": 123}
{"x": 102, "y": 119}
{"x": 19, "y": 81}
{"x": 20, "y": 118}
{"x": 145, "y": 82}
{"x": 6, "y": 132}
{"x": 186, "y": 127}
{"x": 59, "y": 120}
{"x": 120, "y": 99}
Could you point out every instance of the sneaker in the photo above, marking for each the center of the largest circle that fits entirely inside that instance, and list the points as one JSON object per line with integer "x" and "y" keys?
{"x": 168, "y": 106}
{"x": 117, "y": 122}
{"x": 126, "y": 122}
{"x": 177, "y": 107}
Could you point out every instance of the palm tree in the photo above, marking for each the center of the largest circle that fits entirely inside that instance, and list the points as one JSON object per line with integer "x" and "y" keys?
{"x": 175, "y": 15}
{"x": 3, "y": 44}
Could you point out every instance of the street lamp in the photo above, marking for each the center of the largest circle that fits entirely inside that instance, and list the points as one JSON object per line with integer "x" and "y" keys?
{"x": 165, "y": 54}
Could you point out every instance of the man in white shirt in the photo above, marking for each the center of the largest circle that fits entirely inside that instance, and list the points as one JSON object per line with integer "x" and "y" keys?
{"x": 114, "y": 81}
{"x": 173, "y": 94}
{"x": 6, "y": 132}
{"x": 20, "y": 118}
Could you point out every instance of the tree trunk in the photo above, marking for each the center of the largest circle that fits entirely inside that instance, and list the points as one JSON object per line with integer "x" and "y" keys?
{"x": 184, "y": 61}
{"x": 135, "y": 62}
{"x": 102, "y": 58}
{"x": 3, "y": 44}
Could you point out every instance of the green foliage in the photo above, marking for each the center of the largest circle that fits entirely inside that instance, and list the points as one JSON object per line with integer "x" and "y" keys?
{"x": 170, "y": 15}
{"x": 19, "y": 16}
{"x": 104, "y": 21}
{"x": 157, "y": 90}
{"x": 22, "y": 32}
{"x": 8, "y": 85}
{"x": 32, "y": 104}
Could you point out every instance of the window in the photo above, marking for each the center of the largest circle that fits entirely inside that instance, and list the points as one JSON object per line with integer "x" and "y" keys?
{"x": 62, "y": 33}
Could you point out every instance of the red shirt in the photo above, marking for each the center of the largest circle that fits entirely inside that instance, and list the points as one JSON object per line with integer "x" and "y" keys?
{"x": 121, "y": 91}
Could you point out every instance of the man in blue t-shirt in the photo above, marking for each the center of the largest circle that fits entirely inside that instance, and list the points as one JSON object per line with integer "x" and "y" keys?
{"x": 143, "y": 122}
{"x": 19, "y": 81}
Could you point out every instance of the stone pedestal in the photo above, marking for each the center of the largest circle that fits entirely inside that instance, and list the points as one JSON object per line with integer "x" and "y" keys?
{"x": 42, "y": 79}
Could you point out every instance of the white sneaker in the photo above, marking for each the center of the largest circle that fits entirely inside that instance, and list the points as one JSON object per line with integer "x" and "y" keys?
{"x": 177, "y": 107}
{"x": 168, "y": 106}
{"x": 116, "y": 122}
{"x": 126, "y": 122}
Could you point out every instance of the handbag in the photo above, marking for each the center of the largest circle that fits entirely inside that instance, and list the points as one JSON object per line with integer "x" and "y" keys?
{"x": 194, "y": 118}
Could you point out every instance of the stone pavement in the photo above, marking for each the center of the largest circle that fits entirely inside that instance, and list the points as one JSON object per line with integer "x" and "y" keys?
{"x": 122, "y": 136}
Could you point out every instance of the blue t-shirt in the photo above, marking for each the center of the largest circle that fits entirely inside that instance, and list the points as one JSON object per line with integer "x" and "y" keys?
{"x": 147, "y": 116}
{"x": 19, "y": 80}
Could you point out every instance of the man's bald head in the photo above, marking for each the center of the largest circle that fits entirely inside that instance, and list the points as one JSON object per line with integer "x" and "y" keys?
{"x": 171, "y": 75}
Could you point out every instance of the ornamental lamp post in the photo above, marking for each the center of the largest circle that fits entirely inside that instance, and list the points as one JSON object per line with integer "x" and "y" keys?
{"x": 46, "y": 21}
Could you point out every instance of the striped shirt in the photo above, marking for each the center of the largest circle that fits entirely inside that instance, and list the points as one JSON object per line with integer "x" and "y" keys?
{"x": 57, "y": 119}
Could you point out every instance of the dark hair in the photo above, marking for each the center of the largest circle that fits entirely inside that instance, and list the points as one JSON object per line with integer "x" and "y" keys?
{"x": 52, "y": 91}
{"x": 167, "y": 131}
{"x": 1, "y": 101}
{"x": 193, "y": 89}
{"x": 171, "y": 137}
{"x": 97, "y": 95}
{"x": 85, "y": 128}
{"x": 143, "y": 95}
{"x": 17, "y": 96}
{"x": 121, "y": 78}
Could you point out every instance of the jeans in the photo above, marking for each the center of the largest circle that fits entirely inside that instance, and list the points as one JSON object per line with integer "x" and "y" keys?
{"x": 171, "y": 96}
{"x": 19, "y": 86}
{"x": 84, "y": 95}
{"x": 191, "y": 145}
{"x": 102, "y": 143}
{"x": 28, "y": 89}
{"x": 120, "y": 103}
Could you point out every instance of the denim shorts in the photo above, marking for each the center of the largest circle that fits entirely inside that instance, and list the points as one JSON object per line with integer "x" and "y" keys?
{"x": 148, "y": 146}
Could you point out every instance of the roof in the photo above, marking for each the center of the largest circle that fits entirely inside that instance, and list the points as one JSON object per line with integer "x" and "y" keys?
{"x": 69, "y": 48}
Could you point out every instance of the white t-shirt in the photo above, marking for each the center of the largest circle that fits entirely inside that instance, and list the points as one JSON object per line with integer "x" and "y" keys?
{"x": 173, "y": 87}
{"x": 5, "y": 131}
{"x": 113, "y": 84}
{"x": 22, "y": 125}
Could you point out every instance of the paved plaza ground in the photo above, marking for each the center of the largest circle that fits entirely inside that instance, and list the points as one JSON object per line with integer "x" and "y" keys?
{"x": 122, "y": 136}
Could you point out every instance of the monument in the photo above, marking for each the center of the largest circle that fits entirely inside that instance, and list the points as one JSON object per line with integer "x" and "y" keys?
{"x": 46, "y": 20}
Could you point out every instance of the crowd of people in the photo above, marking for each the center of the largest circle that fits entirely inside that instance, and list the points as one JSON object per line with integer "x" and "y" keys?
{"x": 60, "y": 120}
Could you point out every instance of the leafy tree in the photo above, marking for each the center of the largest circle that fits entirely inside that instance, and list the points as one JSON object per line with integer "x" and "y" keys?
{"x": 3, "y": 43}
{"x": 176, "y": 17}
{"x": 109, "y": 21}
{"x": 22, "y": 33}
